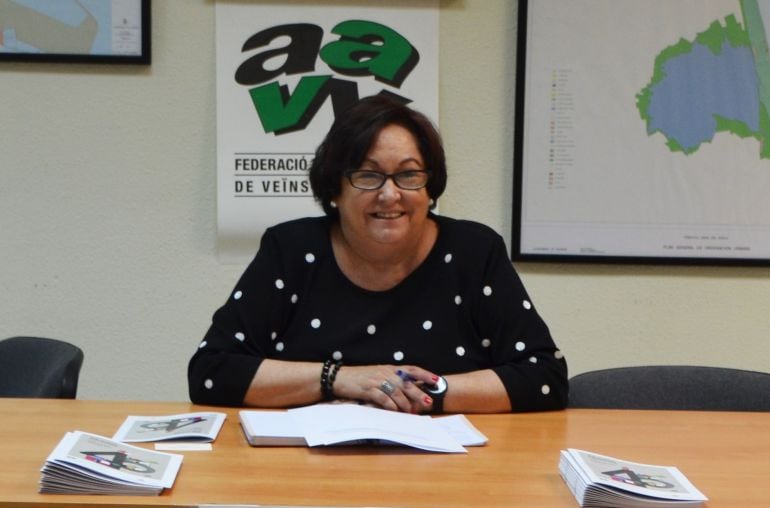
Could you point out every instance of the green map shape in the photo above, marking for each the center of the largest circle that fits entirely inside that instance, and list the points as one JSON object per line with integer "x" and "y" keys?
{"x": 754, "y": 37}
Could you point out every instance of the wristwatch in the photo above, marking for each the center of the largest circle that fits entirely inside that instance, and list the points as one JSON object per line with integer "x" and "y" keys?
{"x": 437, "y": 392}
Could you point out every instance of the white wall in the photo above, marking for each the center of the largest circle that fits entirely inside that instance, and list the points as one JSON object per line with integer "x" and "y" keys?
{"x": 108, "y": 215}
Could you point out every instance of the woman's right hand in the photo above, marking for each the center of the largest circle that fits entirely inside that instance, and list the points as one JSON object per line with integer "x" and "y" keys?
{"x": 386, "y": 386}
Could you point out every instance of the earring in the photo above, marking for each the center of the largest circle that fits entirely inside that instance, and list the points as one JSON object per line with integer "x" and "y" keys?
{"x": 431, "y": 202}
{"x": 333, "y": 204}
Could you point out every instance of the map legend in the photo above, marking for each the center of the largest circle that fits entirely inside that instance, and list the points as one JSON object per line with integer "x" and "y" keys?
{"x": 561, "y": 142}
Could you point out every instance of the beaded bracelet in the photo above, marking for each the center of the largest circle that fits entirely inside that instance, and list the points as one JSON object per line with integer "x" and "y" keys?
{"x": 332, "y": 376}
{"x": 328, "y": 375}
{"x": 325, "y": 379}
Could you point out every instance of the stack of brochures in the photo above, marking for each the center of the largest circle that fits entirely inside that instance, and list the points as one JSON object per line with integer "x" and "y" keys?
{"x": 598, "y": 481}
{"x": 85, "y": 463}
{"x": 353, "y": 424}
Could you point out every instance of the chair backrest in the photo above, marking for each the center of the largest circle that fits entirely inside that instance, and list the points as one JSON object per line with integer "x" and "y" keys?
{"x": 672, "y": 387}
{"x": 39, "y": 367}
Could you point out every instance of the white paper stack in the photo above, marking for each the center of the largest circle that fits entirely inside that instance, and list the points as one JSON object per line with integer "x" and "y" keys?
{"x": 352, "y": 424}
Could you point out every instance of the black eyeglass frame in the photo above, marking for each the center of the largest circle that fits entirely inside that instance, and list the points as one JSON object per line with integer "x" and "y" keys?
{"x": 395, "y": 176}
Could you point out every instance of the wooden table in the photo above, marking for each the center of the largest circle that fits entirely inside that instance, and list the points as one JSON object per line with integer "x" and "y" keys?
{"x": 726, "y": 455}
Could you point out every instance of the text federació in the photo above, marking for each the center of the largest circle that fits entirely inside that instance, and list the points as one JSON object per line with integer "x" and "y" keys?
{"x": 272, "y": 175}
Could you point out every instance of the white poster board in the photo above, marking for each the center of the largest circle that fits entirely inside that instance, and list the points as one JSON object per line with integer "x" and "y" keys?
{"x": 283, "y": 71}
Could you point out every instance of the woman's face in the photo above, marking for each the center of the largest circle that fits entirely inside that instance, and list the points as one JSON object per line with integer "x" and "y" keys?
{"x": 389, "y": 214}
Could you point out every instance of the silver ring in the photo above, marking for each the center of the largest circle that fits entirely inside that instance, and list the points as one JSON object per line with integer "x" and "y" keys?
{"x": 387, "y": 387}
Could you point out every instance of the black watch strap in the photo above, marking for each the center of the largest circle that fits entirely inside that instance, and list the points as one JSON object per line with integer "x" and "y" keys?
{"x": 437, "y": 392}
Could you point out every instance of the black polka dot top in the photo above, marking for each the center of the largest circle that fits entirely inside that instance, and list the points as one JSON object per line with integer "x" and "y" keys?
{"x": 463, "y": 309}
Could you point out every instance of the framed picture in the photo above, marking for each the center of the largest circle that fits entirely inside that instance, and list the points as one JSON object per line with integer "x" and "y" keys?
{"x": 642, "y": 132}
{"x": 84, "y": 31}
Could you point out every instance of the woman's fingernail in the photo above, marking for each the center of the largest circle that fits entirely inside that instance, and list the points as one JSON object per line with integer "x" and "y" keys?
{"x": 434, "y": 378}
{"x": 427, "y": 400}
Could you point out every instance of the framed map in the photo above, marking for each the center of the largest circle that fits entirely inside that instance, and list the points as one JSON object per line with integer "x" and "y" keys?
{"x": 97, "y": 31}
{"x": 642, "y": 132}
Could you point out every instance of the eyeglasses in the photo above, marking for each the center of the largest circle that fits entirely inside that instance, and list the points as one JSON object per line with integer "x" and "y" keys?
{"x": 411, "y": 179}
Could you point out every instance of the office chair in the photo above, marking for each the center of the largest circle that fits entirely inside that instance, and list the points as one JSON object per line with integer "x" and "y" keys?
{"x": 672, "y": 387}
{"x": 39, "y": 367}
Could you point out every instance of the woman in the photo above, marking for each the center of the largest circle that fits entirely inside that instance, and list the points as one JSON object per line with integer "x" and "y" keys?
{"x": 380, "y": 301}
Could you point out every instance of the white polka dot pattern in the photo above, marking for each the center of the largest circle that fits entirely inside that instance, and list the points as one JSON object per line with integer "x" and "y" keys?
{"x": 294, "y": 298}
{"x": 545, "y": 389}
{"x": 458, "y": 300}
{"x": 273, "y": 335}
{"x": 427, "y": 325}
{"x": 240, "y": 336}
{"x": 486, "y": 343}
{"x": 520, "y": 346}
{"x": 315, "y": 323}
{"x": 532, "y": 359}
{"x": 460, "y": 351}
{"x": 487, "y": 291}
{"x": 237, "y": 295}
{"x": 371, "y": 329}
{"x": 203, "y": 344}
{"x": 558, "y": 355}
{"x": 448, "y": 258}
{"x": 279, "y": 346}
{"x": 279, "y": 283}
{"x": 526, "y": 304}
{"x": 309, "y": 257}
{"x": 208, "y": 384}
{"x": 398, "y": 356}
{"x": 337, "y": 355}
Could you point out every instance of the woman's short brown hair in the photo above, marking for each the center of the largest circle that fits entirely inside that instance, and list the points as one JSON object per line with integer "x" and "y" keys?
{"x": 351, "y": 136}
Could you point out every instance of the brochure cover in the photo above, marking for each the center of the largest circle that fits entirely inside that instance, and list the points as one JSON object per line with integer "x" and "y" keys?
{"x": 189, "y": 426}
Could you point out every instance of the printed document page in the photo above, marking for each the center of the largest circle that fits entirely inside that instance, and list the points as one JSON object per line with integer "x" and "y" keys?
{"x": 325, "y": 424}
